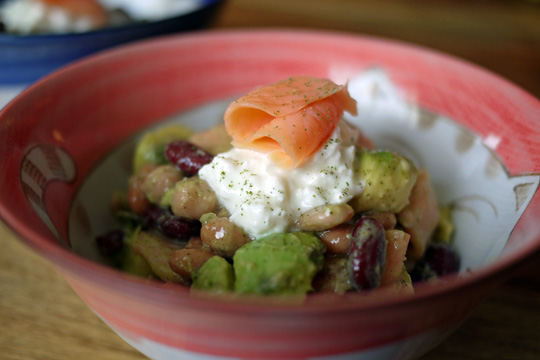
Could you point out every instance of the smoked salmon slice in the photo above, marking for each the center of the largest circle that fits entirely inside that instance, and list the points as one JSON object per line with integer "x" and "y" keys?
{"x": 290, "y": 119}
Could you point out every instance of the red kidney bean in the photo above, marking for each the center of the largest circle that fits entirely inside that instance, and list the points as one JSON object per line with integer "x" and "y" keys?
{"x": 151, "y": 216}
{"x": 367, "y": 254}
{"x": 187, "y": 157}
{"x": 164, "y": 221}
{"x": 181, "y": 229}
{"x": 443, "y": 259}
{"x": 111, "y": 242}
{"x": 439, "y": 259}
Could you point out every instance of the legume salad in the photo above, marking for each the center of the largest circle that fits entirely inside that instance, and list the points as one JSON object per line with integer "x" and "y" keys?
{"x": 232, "y": 210}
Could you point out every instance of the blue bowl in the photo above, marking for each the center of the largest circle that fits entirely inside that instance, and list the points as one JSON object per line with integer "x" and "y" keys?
{"x": 26, "y": 58}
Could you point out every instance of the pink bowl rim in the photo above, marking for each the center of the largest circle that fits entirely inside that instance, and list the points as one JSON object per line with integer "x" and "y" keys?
{"x": 75, "y": 266}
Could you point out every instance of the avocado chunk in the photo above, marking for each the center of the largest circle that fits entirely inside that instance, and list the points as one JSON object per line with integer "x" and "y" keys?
{"x": 388, "y": 179}
{"x": 151, "y": 148}
{"x": 156, "y": 250}
{"x": 215, "y": 275}
{"x": 130, "y": 261}
{"x": 279, "y": 263}
{"x": 445, "y": 227}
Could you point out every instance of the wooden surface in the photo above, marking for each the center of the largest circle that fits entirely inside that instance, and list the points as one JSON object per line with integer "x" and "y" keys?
{"x": 42, "y": 318}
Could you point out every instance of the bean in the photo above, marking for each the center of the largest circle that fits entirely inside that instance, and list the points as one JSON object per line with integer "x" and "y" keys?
{"x": 214, "y": 140}
{"x": 324, "y": 217}
{"x": 192, "y": 198}
{"x": 151, "y": 216}
{"x": 222, "y": 212}
{"x": 159, "y": 181}
{"x": 397, "y": 243}
{"x": 111, "y": 242}
{"x": 337, "y": 239}
{"x": 364, "y": 142}
{"x": 223, "y": 236}
{"x": 421, "y": 216}
{"x": 333, "y": 277}
{"x": 179, "y": 229}
{"x": 146, "y": 169}
{"x": 162, "y": 220}
{"x": 439, "y": 259}
{"x": 187, "y": 157}
{"x": 186, "y": 262}
{"x": 367, "y": 255}
{"x": 442, "y": 258}
{"x": 194, "y": 242}
{"x": 387, "y": 219}
{"x": 136, "y": 198}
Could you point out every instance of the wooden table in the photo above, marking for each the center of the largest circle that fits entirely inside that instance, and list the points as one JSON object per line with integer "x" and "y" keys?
{"x": 42, "y": 318}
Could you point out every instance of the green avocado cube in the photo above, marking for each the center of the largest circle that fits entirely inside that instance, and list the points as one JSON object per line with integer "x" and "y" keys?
{"x": 130, "y": 261}
{"x": 279, "y": 263}
{"x": 215, "y": 275}
{"x": 151, "y": 148}
{"x": 387, "y": 178}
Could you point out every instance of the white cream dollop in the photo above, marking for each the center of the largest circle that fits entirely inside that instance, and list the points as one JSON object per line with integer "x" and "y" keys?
{"x": 263, "y": 198}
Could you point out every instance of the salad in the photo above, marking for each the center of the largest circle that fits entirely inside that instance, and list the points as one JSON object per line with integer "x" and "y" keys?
{"x": 284, "y": 197}
{"x": 25, "y": 17}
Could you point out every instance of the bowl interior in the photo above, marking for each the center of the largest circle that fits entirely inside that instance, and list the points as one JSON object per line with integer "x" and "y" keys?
{"x": 446, "y": 115}
{"x": 468, "y": 176}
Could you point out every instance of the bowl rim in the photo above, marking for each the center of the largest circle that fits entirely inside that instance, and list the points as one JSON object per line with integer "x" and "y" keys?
{"x": 75, "y": 266}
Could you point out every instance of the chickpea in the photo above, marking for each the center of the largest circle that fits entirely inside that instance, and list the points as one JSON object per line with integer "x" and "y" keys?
{"x": 223, "y": 236}
{"x": 186, "y": 262}
{"x": 159, "y": 181}
{"x": 324, "y": 217}
{"x": 222, "y": 212}
{"x": 192, "y": 198}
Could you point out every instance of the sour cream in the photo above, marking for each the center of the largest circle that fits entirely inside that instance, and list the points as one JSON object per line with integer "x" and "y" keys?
{"x": 263, "y": 198}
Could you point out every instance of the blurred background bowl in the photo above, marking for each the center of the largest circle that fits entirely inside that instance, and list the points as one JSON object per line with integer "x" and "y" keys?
{"x": 82, "y": 113}
{"x": 26, "y": 58}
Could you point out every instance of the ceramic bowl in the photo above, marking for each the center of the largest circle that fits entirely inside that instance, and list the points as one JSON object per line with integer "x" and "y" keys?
{"x": 26, "y": 58}
{"x": 65, "y": 147}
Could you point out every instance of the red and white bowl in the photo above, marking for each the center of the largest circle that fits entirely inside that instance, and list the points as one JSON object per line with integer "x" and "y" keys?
{"x": 65, "y": 144}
